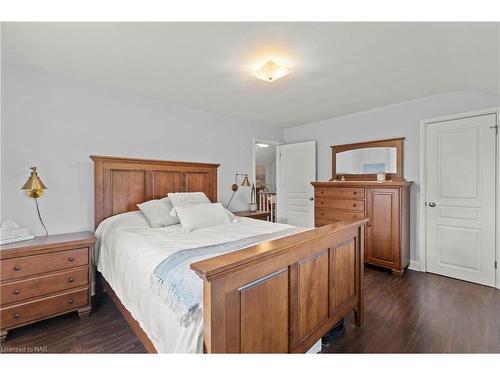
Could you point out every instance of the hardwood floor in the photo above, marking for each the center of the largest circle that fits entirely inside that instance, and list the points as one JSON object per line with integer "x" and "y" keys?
{"x": 416, "y": 313}
{"x": 423, "y": 313}
{"x": 104, "y": 331}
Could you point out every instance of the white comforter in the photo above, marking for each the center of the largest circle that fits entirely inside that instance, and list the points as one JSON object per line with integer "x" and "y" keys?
{"x": 127, "y": 252}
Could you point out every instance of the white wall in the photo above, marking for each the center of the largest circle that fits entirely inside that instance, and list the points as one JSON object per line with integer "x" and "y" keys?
{"x": 402, "y": 119}
{"x": 56, "y": 123}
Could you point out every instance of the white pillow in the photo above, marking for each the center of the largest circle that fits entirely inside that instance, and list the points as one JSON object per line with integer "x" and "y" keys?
{"x": 186, "y": 199}
{"x": 232, "y": 217}
{"x": 157, "y": 212}
{"x": 202, "y": 215}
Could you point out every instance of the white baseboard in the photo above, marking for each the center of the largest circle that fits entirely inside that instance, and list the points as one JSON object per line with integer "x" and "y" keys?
{"x": 414, "y": 265}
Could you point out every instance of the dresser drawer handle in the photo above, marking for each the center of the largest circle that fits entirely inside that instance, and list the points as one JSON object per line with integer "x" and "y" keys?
{"x": 71, "y": 259}
{"x": 354, "y": 205}
{"x": 70, "y": 280}
{"x": 354, "y": 192}
{"x": 16, "y": 316}
{"x": 71, "y": 301}
{"x": 322, "y": 202}
{"x": 16, "y": 291}
{"x": 17, "y": 268}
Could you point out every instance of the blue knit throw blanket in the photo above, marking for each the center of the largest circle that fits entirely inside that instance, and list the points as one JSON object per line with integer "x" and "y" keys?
{"x": 181, "y": 289}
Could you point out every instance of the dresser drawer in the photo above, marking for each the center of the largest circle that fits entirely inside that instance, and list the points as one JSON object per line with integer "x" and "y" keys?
{"x": 37, "y": 264}
{"x": 41, "y": 308}
{"x": 340, "y": 192}
{"x": 343, "y": 204}
{"x": 320, "y": 222}
{"x": 332, "y": 213}
{"x": 36, "y": 287}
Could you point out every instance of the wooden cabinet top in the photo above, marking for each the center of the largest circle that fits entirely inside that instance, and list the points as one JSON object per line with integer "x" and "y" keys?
{"x": 381, "y": 184}
{"x": 44, "y": 244}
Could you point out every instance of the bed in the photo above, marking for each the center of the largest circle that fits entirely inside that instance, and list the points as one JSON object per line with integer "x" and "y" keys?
{"x": 279, "y": 296}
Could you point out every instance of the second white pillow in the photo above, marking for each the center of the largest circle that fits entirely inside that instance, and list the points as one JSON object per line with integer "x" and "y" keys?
{"x": 202, "y": 216}
{"x": 186, "y": 199}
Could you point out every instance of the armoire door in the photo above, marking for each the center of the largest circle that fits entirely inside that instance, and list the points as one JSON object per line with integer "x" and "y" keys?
{"x": 382, "y": 234}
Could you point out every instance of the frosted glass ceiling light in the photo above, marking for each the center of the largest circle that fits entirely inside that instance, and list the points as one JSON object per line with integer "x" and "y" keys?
{"x": 271, "y": 72}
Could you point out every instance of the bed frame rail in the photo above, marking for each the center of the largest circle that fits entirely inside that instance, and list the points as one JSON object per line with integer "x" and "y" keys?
{"x": 282, "y": 296}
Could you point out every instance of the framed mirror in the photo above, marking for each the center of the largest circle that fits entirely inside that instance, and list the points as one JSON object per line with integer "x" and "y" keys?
{"x": 362, "y": 161}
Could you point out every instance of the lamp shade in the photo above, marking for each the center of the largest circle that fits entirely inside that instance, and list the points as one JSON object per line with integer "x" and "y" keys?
{"x": 245, "y": 181}
{"x": 34, "y": 186}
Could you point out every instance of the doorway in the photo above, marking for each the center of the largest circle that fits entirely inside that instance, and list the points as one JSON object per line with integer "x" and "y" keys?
{"x": 459, "y": 196}
{"x": 264, "y": 172}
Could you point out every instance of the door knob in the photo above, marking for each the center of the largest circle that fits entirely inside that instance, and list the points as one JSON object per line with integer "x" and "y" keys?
{"x": 432, "y": 204}
{"x": 311, "y": 198}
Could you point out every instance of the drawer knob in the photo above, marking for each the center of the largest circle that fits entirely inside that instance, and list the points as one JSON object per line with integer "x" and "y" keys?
{"x": 71, "y": 301}
{"x": 16, "y": 316}
{"x": 70, "y": 280}
{"x": 71, "y": 259}
{"x": 354, "y": 192}
{"x": 322, "y": 202}
{"x": 17, "y": 268}
{"x": 16, "y": 291}
{"x": 354, "y": 205}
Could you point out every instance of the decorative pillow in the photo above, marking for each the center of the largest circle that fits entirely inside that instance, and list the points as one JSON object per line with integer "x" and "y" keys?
{"x": 202, "y": 215}
{"x": 157, "y": 212}
{"x": 186, "y": 199}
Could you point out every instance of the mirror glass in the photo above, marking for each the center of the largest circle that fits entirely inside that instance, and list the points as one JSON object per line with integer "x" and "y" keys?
{"x": 367, "y": 160}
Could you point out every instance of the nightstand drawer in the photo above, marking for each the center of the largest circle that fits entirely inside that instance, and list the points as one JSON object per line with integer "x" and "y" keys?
{"x": 344, "y": 204}
{"x": 36, "y": 287}
{"x": 30, "y": 311}
{"x": 38, "y": 264}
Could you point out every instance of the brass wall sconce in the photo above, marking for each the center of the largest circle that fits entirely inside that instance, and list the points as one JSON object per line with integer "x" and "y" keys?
{"x": 34, "y": 188}
{"x": 234, "y": 187}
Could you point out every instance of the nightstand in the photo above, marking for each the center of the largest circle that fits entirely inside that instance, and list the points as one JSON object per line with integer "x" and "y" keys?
{"x": 261, "y": 215}
{"x": 44, "y": 277}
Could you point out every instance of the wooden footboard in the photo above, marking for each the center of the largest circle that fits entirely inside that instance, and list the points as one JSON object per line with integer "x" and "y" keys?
{"x": 282, "y": 296}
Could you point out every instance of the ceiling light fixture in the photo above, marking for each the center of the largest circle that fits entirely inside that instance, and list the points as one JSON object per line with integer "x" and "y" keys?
{"x": 271, "y": 72}
{"x": 264, "y": 145}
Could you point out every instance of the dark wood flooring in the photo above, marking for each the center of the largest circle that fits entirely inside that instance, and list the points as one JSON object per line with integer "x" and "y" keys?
{"x": 416, "y": 313}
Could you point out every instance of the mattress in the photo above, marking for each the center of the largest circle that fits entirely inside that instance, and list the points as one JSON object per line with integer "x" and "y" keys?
{"x": 127, "y": 252}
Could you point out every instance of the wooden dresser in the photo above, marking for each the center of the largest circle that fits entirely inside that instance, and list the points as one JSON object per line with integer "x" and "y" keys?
{"x": 386, "y": 204}
{"x": 44, "y": 277}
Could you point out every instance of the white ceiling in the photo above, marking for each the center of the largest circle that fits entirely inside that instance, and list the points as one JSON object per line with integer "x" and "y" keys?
{"x": 338, "y": 68}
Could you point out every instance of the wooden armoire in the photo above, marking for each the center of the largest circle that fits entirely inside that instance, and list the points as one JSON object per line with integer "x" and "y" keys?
{"x": 386, "y": 203}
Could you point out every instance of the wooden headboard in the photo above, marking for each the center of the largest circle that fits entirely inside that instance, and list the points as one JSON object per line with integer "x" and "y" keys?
{"x": 121, "y": 183}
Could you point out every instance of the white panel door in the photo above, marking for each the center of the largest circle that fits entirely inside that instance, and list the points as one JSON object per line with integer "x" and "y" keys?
{"x": 296, "y": 171}
{"x": 460, "y": 192}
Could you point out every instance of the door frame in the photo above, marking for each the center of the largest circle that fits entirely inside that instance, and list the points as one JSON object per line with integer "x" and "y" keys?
{"x": 422, "y": 231}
